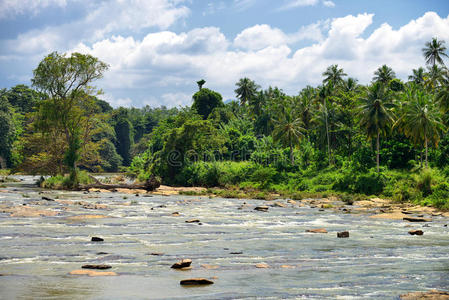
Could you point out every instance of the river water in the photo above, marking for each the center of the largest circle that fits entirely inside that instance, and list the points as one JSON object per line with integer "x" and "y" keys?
{"x": 380, "y": 260}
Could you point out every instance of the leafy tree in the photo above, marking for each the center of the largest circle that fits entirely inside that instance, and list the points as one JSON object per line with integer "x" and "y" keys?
{"x": 418, "y": 76}
{"x": 434, "y": 51}
{"x": 7, "y": 131}
{"x": 124, "y": 134}
{"x": 23, "y": 99}
{"x": 434, "y": 77}
{"x": 376, "y": 114}
{"x": 421, "y": 120}
{"x": 384, "y": 75}
{"x": 205, "y": 100}
{"x": 246, "y": 90}
{"x": 333, "y": 76}
{"x": 69, "y": 108}
{"x": 200, "y": 83}
{"x": 288, "y": 130}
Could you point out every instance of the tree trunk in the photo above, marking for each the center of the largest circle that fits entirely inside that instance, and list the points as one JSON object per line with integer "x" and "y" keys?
{"x": 425, "y": 141}
{"x": 377, "y": 155}
{"x": 327, "y": 134}
{"x": 292, "y": 159}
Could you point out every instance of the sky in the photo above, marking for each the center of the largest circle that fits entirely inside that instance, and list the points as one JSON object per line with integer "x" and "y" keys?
{"x": 157, "y": 49}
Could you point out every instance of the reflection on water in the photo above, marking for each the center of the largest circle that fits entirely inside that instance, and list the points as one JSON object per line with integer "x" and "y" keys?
{"x": 379, "y": 260}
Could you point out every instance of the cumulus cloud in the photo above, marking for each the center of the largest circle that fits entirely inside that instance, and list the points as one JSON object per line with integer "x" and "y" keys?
{"x": 12, "y": 8}
{"x": 161, "y": 68}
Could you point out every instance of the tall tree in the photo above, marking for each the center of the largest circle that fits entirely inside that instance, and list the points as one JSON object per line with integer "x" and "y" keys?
{"x": 205, "y": 100}
{"x": 334, "y": 76}
{"x": 287, "y": 129}
{"x": 124, "y": 134}
{"x": 376, "y": 114}
{"x": 246, "y": 90}
{"x": 384, "y": 74}
{"x": 67, "y": 82}
{"x": 200, "y": 83}
{"x": 418, "y": 76}
{"x": 434, "y": 51}
{"x": 420, "y": 119}
{"x": 434, "y": 77}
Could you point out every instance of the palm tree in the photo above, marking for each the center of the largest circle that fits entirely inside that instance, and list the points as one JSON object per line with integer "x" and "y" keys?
{"x": 376, "y": 115}
{"x": 434, "y": 52}
{"x": 433, "y": 77}
{"x": 200, "y": 83}
{"x": 324, "y": 93}
{"x": 384, "y": 74}
{"x": 351, "y": 85}
{"x": 246, "y": 90}
{"x": 443, "y": 95}
{"x": 334, "y": 76}
{"x": 420, "y": 119}
{"x": 287, "y": 129}
{"x": 418, "y": 76}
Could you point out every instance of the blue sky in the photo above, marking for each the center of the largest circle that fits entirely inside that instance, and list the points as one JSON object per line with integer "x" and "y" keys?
{"x": 158, "y": 49}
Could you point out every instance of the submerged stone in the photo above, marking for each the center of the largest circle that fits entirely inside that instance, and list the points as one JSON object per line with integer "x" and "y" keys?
{"x": 196, "y": 281}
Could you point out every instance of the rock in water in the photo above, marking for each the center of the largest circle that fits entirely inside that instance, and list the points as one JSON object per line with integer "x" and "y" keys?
{"x": 193, "y": 221}
{"x": 318, "y": 230}
{"x": 97, "y": 239}
{"x": 92, "y": 273}
{"x": 196, "y": 281}
{"x": 46, "y": 198}
{"x": 416, "y": 232}
{"x": 430, "y": 295}
{"x": 261, "y": 208}
{"x": 343, "y": 234}
{"x": 96, "y": 267}
{"x": 262, "y": 266}
{"x": 185, "y": 263}
{"x": 410, "y": 219}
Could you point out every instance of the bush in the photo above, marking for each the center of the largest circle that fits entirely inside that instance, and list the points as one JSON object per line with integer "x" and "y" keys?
{"x": 424, "y": 182}
{"x": 370, "y": 183}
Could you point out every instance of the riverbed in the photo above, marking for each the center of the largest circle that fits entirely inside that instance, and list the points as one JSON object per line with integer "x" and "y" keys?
{"x": 143, "y": 238}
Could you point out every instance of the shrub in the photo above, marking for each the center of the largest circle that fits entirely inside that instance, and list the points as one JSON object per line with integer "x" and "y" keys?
{"x": 370, "y": 183}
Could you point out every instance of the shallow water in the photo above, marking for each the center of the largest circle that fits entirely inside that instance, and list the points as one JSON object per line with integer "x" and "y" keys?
{"x": 380, "y": 260}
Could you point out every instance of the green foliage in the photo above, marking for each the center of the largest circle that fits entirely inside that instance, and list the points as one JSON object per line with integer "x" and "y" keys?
{"x": 205, "y": 101}
{"x": 123, "y": 133}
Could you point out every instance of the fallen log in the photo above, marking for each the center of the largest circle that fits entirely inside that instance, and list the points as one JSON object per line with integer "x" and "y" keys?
{"x": 150, "y": 185}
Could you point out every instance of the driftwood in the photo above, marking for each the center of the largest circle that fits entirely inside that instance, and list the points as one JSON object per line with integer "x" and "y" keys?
{"x": 150, "y": 185}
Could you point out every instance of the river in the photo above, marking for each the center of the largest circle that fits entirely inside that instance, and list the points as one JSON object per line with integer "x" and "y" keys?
{"x": 379, "y": 260}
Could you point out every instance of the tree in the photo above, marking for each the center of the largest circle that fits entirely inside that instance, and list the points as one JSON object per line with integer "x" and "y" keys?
{"x": 384, "y": 74}
{"x": 205, "y": 100}
{"x": 420, "y": 120}
{"x": 124, "y": 134}
{"x": 70, "y": 107}
{"x": 23, "y": 99}
{"x": 246, "y": 90}
{"x": 7, "y": 131}
{"x": 200, "y": 83}
{"x": 375, "y": 114}
{"x": 334, "y": 76}
{"x": 434, "y": 77}
{"x": 434, "y": 51}
{"x": 288, "y": 130}
{"x": 418, "y": 76}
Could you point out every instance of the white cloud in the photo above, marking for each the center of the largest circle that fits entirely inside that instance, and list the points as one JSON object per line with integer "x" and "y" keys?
{"x": 259, "y": 37}
{"x": 242, "y": 5}
{"x": 298, "y": 3}
{"x": 328, "y": 3}
{"x": 12, "y": 8}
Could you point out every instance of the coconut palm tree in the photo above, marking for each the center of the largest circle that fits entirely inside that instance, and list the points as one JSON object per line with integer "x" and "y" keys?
{"x": 420, "y": 120}
{"x": 334, "y": 76}
{"x": 418, "y": 76}
{"x": 384, "y": 74}
{"x": 433, "y": 77}
{"x": 442, "y": 96}
{"x": 288, "y": 129}
{"x": 246, "y": 90}
{"x": 434, "y": 51}
{"x": 376, "y": 114}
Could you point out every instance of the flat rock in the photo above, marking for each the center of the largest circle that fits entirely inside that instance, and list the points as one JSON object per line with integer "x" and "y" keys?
{"x": 157, "y": 253}
{"x": 279, "y": 204}
{"x": 411, "y": 219}
{"x": 430, "y": 295}
{"x": 185, "y": 263}
{"x": 262, "y": 266}
{"x": 96, "y": 239}
{"x": 317, "y": 230}
{"x": 96, "y": 267}
{"x": 287, "y": 267}
{"x": 86, "y": 217}
{"x": 261, "y": 208}
{"x": 291, "y": 202}
{"x": 416, "y": 232}
{"x": 193, "y": 221}
{"x": 175, "y": 214}
{"x": 196, "y": 281}
{"x": 92, "y": 273}
{"x": 343, "y": 234}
